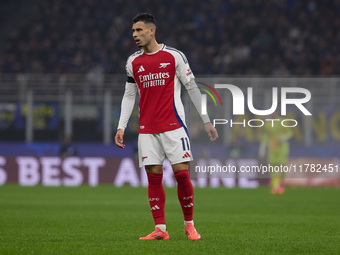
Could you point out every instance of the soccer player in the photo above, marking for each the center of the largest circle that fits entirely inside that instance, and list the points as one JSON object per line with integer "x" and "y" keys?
{"x": 157, "y": 72}
{"x": 276, "y": 138}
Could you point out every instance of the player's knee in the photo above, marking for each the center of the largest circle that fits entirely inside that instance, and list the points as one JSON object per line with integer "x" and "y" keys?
{"x": 180, "y": 166}
{"x": 154, "y": 169}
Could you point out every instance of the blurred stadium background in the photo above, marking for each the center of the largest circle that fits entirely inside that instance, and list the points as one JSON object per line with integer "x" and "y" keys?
{"x": 62, "y": 75}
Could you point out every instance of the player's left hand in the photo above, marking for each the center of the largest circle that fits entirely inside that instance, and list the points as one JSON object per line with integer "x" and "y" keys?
{"x": 211, "y": 131}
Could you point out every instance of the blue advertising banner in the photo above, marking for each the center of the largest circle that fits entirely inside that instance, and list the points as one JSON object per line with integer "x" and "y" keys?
{"x": 7, "y": 115}
{"x": 45, "y": 116}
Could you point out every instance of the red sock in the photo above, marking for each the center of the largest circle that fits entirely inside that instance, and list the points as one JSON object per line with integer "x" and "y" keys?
{"x": 185, "y": 192}
{"x": 156, "y": 197}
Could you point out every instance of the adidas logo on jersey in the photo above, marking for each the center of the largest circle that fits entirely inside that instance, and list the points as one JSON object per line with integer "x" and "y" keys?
{"x": 186, "y": 155}
{"x": 141, "y": 69}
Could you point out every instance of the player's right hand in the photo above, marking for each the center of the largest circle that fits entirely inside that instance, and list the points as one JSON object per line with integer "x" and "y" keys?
{"x": 119, "y": 138}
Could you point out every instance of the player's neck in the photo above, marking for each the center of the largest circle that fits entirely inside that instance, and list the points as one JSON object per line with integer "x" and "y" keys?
{"x": 152, "y": 47}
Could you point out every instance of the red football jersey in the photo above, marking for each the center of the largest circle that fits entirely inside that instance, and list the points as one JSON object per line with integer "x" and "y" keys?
{"x": 159, "y": 76}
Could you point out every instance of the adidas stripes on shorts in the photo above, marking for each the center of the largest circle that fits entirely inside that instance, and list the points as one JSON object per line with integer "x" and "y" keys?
{"x": 174, "y": 144}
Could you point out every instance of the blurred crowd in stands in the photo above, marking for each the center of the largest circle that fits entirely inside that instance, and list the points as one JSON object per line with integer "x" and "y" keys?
{"x": 237, "y": 37}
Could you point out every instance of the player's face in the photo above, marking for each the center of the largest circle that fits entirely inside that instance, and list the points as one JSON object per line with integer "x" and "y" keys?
{"x": 142, "y": 33}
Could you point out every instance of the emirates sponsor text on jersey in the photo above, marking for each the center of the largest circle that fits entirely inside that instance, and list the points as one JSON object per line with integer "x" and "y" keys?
{"x": 153, "y": 79}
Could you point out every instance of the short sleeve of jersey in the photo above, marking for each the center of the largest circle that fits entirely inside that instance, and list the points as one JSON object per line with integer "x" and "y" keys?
{"x": 183, "y": 70}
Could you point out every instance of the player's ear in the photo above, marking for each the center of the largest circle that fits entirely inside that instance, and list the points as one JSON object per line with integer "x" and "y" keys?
{"x": 153, "y": 30}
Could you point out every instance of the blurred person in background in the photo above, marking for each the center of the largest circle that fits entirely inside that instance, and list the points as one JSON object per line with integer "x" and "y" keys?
{"x": 67, "y": 149}
{"x": 275, "y": 139}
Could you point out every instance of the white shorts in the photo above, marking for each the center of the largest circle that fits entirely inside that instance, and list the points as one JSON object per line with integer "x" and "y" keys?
{"x": 174, "y": 144}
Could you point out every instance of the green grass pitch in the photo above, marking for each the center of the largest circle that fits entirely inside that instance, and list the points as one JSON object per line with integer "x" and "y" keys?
{"x": 109, "y": 220}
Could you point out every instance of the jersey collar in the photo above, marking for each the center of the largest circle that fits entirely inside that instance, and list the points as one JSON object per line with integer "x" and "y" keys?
{"x": 163, "y": 46}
